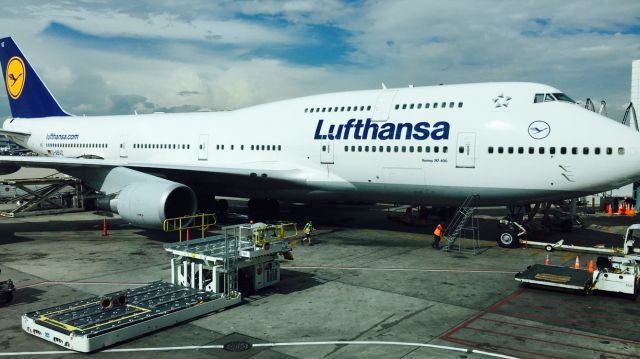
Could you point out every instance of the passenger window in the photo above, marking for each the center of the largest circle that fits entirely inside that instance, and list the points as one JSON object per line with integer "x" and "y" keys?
{"x": 241, "y": 147}
{"x": 461, "y": 149}
{"x": 436, "y": 149}
{"x": 366, "y": 148}
{"x": 459, "y": 104}
{"x": 596, "y": 150}
{"x": 563, "y": 150}
{"x": 324, "y": 148}
{"x": 609, "y": 150}
{"x": 381, "y": 149}
{"x": 329, "y": 109}
{"x": 404, "y": 107}
{"x": 348, "y": 108}
{"x": 346, "y": 148}
{"x": 427, "y": 149}
{"x": 411, "y": 107}
{"x": 410, "y": 148}
{"x": 388, "y": 148}
{"x": 335, "y": 109}
{"x": 426, "y": 105}
{"x": 451, "y": 104}
{"x": 397, "y": 106}
{"x": 541, "y": 150}
{"x": 510, "y": 149}
{"x": 395, "y": 148}
{"x": 520, "y": 150}
{"x": 552, "y": 150}
{"x": 368, "y": 107}
{"x": 585, "y": 150}
{"x": 353, "y": 148}
{"x": 500, "y": 150}
{"x": 279, "y": 147}
{"x": 419, "y": 106}
{"x": 445, "y": 149}
{"x": 324, "y": 109}
{"x": 419, "y": 148}
{"x": 531, "y": 150}
{"x": 435, "y": 105}
{"x": 373, "y": 148}
{"x": 443, "y": 105}
{"x": 361, "y": 108}
{"x": 251, "y": 147}
{"x": 359, "y": 148}
{"x": 621, "y": 150}
{"x": 342, "y": 109}
{"x": 404, "y": 148}
{"x": 311, "y": 111}
{"x": 306, "y": 110}
{"x": 574, "y": 150}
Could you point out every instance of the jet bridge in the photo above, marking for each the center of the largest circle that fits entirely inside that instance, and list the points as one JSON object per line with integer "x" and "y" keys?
{"x": 207, "y": 275}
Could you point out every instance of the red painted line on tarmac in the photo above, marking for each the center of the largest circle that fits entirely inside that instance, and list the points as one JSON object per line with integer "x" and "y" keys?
{"x": 589, "y": 307}
{"x": 502, "y": 302}
{"x": 593, "y": 336}
{"x": 566, "y": 321}
{"x": 549, "y": 341}
{"x": 484, "y": 346}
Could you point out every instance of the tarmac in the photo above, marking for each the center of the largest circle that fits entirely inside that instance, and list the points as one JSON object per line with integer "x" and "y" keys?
{"x": 367, "y": 288}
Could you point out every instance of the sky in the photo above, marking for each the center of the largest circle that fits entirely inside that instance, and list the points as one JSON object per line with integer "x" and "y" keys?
{"x": 116, "y": 57}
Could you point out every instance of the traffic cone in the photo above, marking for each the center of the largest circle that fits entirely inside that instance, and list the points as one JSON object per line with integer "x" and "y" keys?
{"x": 546, "y": 261}
{"x": 577, "y": 264}
{"x": 590, "y": 269}
{"x": 632, "y": 211}
{"x": 187, "y": 236}
{"x": 609, "y": 209}
{"x": 104, "y": 227}
{"x": 620, "y": 209}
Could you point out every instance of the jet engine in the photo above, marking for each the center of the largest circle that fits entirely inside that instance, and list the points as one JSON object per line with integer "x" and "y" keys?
{"x": 142, "y": 199}
{"x": 148, "y": 204}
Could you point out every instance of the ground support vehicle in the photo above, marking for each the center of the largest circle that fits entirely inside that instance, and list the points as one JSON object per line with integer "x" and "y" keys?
{"x": 207, "y": 275}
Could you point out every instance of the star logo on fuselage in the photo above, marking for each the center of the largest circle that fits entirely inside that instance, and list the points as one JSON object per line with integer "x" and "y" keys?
{"x": 502, "y": 101}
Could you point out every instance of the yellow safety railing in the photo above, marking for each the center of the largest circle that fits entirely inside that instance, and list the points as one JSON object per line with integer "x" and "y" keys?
{"x": 276, "y": 232}
{"x": 201, "y": 220}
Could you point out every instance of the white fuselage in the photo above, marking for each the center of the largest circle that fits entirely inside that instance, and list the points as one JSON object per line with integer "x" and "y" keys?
{"x": 478, "y": 142}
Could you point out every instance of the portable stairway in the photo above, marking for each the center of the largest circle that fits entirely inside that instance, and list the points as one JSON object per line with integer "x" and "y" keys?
{"x": 589, "y": 105}
{"x": 463, "y": 224}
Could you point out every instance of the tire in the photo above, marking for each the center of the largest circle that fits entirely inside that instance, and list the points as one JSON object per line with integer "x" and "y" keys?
{"x": 548, "y": 248}
{"x": 508, "y": 239}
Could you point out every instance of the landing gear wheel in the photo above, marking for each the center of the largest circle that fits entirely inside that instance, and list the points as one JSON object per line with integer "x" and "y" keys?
{"x": 507, "y": 239}
{"x": 548, "y": 248}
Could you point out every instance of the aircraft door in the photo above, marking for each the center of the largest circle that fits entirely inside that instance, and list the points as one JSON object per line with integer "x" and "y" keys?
{"x": 383, "y": 105}
{"x": 123, "y": 146}
{"x": 326, "y": 152}
{"x": 466, "y": 152}
{"x": 203, "y": 147}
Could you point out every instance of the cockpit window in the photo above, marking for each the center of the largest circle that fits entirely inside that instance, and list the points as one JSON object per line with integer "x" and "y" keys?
{"x": 563, "y": 97}
{"x": 539, "y": 98}
{"x": 548, "y": 97}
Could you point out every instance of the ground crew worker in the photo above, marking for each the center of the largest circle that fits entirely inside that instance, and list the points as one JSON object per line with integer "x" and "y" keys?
{"x": 308, "y": 228}
{"x": 437, "y": 234}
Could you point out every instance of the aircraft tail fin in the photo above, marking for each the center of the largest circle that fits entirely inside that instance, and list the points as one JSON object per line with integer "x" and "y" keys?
{"x": 28, "y": 96}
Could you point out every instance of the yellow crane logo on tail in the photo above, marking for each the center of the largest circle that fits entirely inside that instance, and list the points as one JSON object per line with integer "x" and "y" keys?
{"x": 15, "y": 77}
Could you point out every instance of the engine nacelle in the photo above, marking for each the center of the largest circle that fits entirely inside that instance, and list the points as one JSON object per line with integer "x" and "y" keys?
{"x": 147, "y": 204}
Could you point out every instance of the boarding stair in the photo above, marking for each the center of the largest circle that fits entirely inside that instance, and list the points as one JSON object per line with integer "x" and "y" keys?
{"x": 630, "y": 115}
{"x": 464, "y": 225}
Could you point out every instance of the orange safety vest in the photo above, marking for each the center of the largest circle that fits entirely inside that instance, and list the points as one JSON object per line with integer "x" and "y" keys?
{"x": 438, "y": 231}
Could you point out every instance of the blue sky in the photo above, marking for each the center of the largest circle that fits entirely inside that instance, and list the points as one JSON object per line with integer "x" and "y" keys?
{"x": 119, "y": 56}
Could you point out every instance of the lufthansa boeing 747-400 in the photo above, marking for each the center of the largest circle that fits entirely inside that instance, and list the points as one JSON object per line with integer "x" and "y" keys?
{"x": 508, "y": 142}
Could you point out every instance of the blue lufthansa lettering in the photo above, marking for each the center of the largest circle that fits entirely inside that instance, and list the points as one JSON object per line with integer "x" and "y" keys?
{"x": 365, "y": 130}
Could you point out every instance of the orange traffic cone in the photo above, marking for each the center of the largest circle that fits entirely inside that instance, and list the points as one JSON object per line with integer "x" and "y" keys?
{"x": 590, "y": 269}
{"x": 104, "y": 227}
{"x": 609, "y": 209}
{"x": 546, "y": 261}
{"x": 187, "y": 236}
{"x": 577, "y": 264}
{"x": 620, "y": 209}
{"x": 632, "y": 211}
